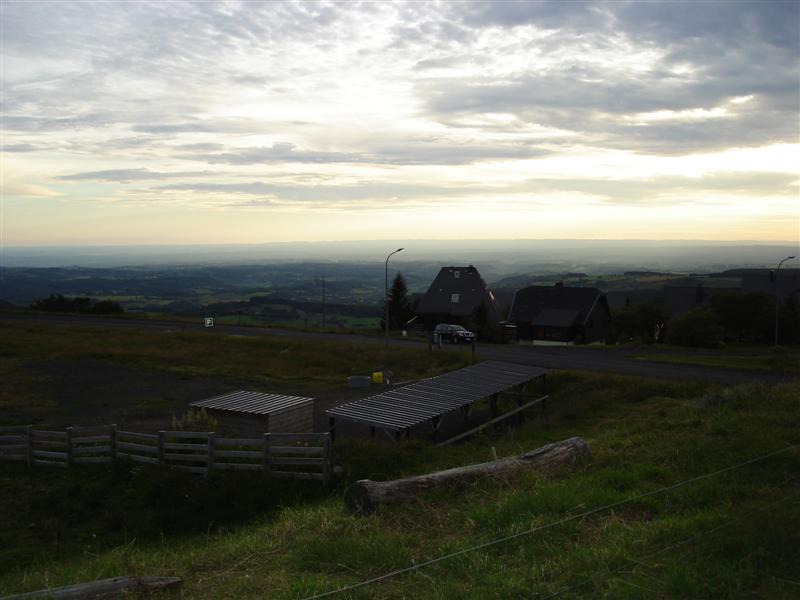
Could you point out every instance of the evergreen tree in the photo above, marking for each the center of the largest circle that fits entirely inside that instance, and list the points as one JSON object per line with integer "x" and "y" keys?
{"x": 400, "y": 308}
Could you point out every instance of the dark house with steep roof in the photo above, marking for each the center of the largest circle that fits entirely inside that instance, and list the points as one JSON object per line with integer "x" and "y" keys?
{"x": 561, "y": 314}
{"x": 456, "y": 296}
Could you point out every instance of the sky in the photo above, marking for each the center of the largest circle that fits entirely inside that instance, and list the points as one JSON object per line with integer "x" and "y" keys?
{"x": 253, "y": 122}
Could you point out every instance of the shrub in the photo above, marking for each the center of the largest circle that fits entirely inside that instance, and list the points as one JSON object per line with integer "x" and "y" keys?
{"x": 195, "y": 419}
{"x": 697, "y": 327}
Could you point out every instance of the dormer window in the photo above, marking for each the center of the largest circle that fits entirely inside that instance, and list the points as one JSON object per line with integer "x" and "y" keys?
{"x": 454, "y": 298}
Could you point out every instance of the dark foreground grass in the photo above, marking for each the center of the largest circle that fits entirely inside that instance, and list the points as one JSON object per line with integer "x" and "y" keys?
{"x": 733, "y": 535}
{"x": 780, "y": 361}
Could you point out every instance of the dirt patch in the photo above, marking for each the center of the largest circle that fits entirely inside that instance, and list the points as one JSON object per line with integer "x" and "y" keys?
{"x": 96, "y": 391}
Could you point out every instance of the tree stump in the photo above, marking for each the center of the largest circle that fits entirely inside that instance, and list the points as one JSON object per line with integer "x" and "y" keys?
{"x": 363, "y": 497}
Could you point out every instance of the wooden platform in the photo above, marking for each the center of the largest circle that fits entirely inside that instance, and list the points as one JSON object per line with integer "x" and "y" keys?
{"x": 427, "y": 401}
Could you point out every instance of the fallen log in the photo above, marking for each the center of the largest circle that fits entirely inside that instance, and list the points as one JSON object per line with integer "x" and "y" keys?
{"x": 363, "y": 497}
{"x": 103, "y": 588}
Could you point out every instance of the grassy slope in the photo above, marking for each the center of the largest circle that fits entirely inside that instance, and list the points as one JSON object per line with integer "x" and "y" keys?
{"x": 644, "y": 435}
{"x": 777, "y": 362}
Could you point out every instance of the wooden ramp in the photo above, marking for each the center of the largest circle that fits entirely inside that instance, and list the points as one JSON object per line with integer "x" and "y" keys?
{"x": 427, "y": 401}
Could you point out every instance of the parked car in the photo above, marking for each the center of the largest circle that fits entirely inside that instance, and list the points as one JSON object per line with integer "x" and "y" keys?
{"x": 455, "y": 334}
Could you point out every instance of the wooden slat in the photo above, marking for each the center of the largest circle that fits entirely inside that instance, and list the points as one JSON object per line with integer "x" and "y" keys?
{"x": 240, "y": 441}
{"x": 305, "y": 450}
{"x": 297, "y": 475}
{"x": 238, "y": 454}
{"x": 92, "y": 450}
{"x": 49, "y": 463}
{"x": 182, "y": 446}
{"x": 138, "y": 436}
{"x": 298, "y": 437}
{"x": 11, "y": 447}
{"x": 140, "y": 447}
{"x": 13, "y": 438}
{"x": 48, "y": 454}
{"x": 41, "y": 433}
{"x": 186, "y": 457}
{"x": 89, "y": 439}
{"x": 187, "y": 434}
{"x": 11, "y": 457}
{"x": 50, "y": 443}
{"x": 238, "y": 466}
{"x": 15, "y": 428}
{"x": 285, "y": 461}
{"x": 91, "y": 459}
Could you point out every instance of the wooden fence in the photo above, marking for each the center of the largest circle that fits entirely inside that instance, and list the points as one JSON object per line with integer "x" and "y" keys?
{"x": 294, "y": 455}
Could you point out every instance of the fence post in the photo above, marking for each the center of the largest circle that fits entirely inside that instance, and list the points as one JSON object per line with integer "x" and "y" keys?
{"x": 326, "y": 459}
{"x": 266, "y": 458}
{"x": 29, "y": 448}
{"x": 69, "y": 445}
{"x": 211, "y": 449}
{"x": 161, "y": 447}
{"x": 112, "y": 441}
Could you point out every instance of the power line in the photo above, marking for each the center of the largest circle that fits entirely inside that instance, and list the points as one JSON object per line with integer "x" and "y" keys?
{"x": 682, "y": 542}
{"x": 532, "y": 530}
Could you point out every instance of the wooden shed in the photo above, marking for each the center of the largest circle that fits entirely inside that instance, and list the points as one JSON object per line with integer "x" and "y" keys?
{"x": 245, "y": 412}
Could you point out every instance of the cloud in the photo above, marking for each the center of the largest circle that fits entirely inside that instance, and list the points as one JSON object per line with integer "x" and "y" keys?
{"x": 19, "y": 148}
{"x": 128, "y": 175}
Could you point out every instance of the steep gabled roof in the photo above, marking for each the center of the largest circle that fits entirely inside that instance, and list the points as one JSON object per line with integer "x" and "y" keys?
{"x": 555, "y": 306}
{"x": 467, "y": 283}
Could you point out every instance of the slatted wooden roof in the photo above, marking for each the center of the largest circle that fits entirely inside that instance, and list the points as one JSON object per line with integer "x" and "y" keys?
{"x": 255, "y": 403}
{"x": 429, "y": 399}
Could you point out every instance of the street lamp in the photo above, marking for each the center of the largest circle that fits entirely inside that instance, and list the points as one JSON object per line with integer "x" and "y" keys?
{"x": 387, "y": 294}
{"x": 777, "y": 298}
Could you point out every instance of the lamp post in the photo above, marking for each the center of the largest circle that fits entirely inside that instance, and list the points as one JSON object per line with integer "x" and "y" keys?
{"x": 386, "y": 296}
{"x": 777, "y": 298}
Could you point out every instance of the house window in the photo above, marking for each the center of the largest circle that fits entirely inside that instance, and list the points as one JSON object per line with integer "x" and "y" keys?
{"x": 454, "y": 298}
{"x": 457, "y": 274}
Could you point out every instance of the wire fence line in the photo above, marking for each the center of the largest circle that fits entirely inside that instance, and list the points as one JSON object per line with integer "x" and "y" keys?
{"x": 550, "y": 525}
{"x": 664, "y": 549}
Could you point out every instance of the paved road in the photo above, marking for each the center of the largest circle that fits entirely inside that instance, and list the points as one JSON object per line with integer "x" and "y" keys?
{"x": 609, "y": 360}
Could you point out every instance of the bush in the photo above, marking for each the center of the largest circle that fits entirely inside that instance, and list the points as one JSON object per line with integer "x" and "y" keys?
{"x": 697, "y": 327}
{"x": 195, "y": 419}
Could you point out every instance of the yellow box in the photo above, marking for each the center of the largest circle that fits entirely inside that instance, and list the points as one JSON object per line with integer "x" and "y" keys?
{"x": 377, "y": 377}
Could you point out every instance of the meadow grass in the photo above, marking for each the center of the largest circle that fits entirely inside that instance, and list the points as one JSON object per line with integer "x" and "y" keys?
{"x": 787, "y": 363}
{"x": 308, "y": 364}
{"x": 292, "y": 542}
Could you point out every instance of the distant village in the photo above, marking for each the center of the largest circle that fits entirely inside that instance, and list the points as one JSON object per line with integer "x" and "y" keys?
{"x": 740, "y": 303}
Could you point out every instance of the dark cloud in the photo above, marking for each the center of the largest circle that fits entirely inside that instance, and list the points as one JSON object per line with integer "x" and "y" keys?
{"x": 19, "y": 148}
{"x": 128, "y": 175}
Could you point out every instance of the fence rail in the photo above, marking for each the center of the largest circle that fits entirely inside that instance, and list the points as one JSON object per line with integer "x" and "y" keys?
{"x": 295, "y": 455}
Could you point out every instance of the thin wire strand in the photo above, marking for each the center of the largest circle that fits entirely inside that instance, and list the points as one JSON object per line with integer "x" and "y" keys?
{"x": 532, "y": 530}
{"x": 672, "y": 546}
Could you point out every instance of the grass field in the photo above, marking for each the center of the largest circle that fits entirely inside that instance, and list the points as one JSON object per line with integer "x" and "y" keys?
{"x": 733, "y": 535}
{"x": 787, "y": 363}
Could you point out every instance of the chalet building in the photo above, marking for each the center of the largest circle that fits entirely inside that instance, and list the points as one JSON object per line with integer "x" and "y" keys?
{"x": 456, "y": 296}
{"x": 559, "y": 314}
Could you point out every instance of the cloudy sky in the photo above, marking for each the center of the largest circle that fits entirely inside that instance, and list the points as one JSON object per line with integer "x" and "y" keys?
{"x": 229, "y": 122}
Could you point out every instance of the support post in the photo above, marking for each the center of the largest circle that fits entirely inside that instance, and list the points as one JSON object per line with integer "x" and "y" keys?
{"x": 327, "y": 460}
{"x": 69, "y": 446}
{"x": 266, "y": 459}
{"x": 372, "y": 431}
{"x": 161, "y": 447}
{"x": 493, "y": 404}
{"x": 29, "y": 445}
{"x": 211, "y": 456}
{"x": 112, "y": 441}
{"x": 332, "y": 428}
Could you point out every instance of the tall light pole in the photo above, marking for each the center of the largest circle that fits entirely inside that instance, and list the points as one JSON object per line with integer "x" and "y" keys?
{"x": 777, "y": 297}
{"x": 386, "y": 297}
